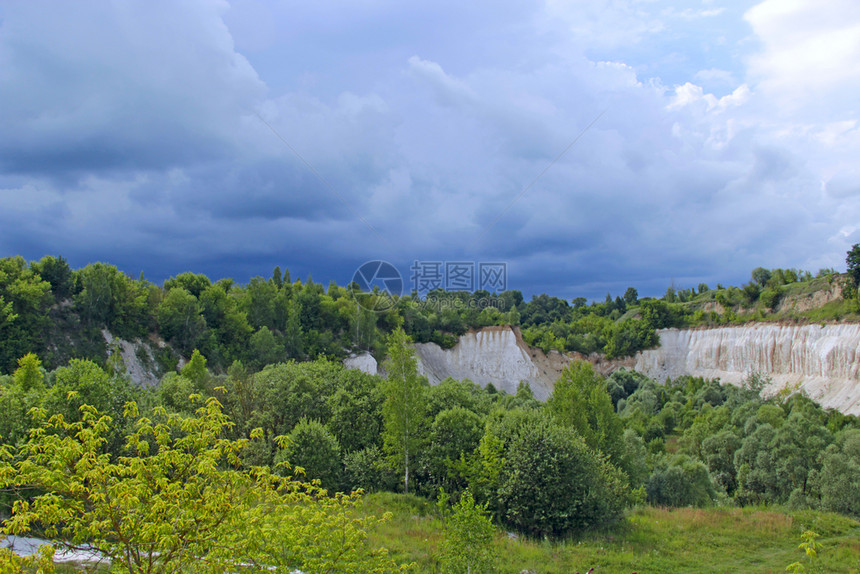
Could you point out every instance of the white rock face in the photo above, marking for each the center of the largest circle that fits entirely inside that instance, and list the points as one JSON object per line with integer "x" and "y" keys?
{"x": 363, "y": 362}
{"x": 493, "y": 355}
{"x": 138, "y": 372}
{"x": 822, "y": 360}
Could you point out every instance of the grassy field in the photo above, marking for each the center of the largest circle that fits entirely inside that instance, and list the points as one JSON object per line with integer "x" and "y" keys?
{"x": 650, "y": 540}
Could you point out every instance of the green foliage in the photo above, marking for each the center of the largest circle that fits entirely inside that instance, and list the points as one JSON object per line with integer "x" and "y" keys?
{"x": 718, "y": 454}
{"x": 454, "y": 436}
{"x": 196, "y": 372}
{"x": 680, "y": 481}
{"x": 24, "y": 300}
{"x": 173, "y": 392}
{"x": 580, "y": 401}
{"x": 853, "y": 262}
{"x": 468, "y": 545}
{"x": 660, "y": 314}
{"x": 230, "y": 331}
{"x": 24, "y": 390}
{"x": 40, "y": 563}
{"x": 552, "y": 484}
{"x": 770, "y": 297}
{"x": 366, "y": 469}
{"x": 29, "y": 376}
{"x": 631, "y": 296}
{"x": 311, "y": 447}
{"x": 108, "y": 298}
{"x": 178, "y": 501}
{"x": 194, "y": 283}
{"x": 356, "y": 411}
{"x": 761, "y": 276}
{"x": 811, "y": 548}
{"x": 285, "y": 393}
{"x": 56, "y": 271}
{"x": 180, "y": 320}
{"x": 839, "y": 477}
{"x": 403, "y": 410}
{"x": 265, "y": 349}
{"x": 259, "y": 301}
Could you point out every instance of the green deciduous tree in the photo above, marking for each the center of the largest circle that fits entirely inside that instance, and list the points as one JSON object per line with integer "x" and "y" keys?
{"x": 356, "y": 410}
{"x": 839, "y": 478}
{"x": 468, "y": 544}
{"x": 680, "y": 481}
{"x": 580, "y": 400}
{"x": 631, "y": 296}
{"x": 264, "y": 348}
{"x": 552, "y": 484}
{"x": 24, "y": 301}
{"x": 194, "y": 283}
{"x": 56, "y": 271}
{"x": 23, "y": 391}
{"x": 454, "y": 435}
{"x": 180, "y": 320}
{"x": 284, "y": 393}
{"x": 761, "y": 276}
{"x": 196, "y": 372}
{"x": 312, "y": 447}
{"x": 107, "y": 297}
{"x": 853, "y": 262}
{"x": 29, "y": 376}
{"x": 228, "y": 323}
{"x": 404, "y": 409}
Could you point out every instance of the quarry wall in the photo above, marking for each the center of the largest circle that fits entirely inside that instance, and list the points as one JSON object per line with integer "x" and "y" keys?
{"x": 823, "y": 360}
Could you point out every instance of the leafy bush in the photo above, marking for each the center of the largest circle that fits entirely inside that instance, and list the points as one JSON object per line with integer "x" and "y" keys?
{"x": 680, "y": 481}
{"x": 552, "y": 484}
{"x": 312, "y": 447}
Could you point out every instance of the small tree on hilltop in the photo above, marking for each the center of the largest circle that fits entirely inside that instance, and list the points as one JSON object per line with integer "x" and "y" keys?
{"x": 853, "y": 261}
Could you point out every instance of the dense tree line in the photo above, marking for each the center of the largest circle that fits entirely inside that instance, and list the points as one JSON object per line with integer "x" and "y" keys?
{"x": 59, "y": 313}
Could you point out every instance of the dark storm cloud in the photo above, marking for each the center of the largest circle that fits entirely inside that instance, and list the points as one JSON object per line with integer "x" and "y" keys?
{"x": 229, "y": 138}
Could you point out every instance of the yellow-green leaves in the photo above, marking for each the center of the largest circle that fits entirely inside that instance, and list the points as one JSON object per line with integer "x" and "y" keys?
{"x": 179, "y": 500}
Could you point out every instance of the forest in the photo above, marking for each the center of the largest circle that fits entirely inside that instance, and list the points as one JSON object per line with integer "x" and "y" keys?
{"x": 262, "y": 435}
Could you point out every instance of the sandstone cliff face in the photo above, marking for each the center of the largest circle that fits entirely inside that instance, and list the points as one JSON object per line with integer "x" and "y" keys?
{"x": 493, "y": 355}
{"x": 822, "y": 360}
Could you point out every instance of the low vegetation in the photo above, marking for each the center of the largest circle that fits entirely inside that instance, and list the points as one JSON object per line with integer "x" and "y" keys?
{"x": 651, "y": 539}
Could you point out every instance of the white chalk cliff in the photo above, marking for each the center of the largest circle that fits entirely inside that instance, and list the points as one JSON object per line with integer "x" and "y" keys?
{"x": 493, "y": 355}
{"x": 823, "y": 360}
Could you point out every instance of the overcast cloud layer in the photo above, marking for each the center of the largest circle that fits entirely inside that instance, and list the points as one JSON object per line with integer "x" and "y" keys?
{"x": 227, "y": 138}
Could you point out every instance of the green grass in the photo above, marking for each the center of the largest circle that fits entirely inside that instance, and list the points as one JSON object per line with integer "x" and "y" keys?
{"x": 657, "y": 540}
{"x": 839, "y": 310}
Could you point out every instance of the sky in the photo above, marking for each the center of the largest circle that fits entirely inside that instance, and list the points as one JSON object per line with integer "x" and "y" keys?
{"x": 588, "y": 145}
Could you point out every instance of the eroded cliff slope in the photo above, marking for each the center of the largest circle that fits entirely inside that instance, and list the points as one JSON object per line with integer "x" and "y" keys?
{"x": 493, "y": 355}
{"x": 823, "y": 360}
